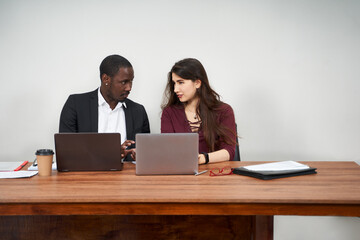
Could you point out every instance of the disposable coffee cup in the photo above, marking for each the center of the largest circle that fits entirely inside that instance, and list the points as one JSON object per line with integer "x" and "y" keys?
{"x": 44, "y": 158}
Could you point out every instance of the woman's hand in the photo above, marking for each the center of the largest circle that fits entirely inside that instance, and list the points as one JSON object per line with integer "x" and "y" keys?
{"x": 201, "y": 159}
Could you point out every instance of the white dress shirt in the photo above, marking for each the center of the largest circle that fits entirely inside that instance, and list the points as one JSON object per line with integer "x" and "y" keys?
{"x": 111, "y": 121}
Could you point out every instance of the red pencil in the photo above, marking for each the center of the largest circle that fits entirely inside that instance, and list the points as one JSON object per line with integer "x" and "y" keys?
{"x": 21, "y": 166}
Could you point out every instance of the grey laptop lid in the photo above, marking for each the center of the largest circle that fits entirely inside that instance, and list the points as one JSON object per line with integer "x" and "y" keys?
{"x": 167, "y": 153}
{"x": 88, "y": 151}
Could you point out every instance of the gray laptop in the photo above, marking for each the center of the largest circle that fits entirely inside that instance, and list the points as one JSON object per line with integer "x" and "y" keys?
{"x": 167, "y": 153}
{"x": 88, "y": 152}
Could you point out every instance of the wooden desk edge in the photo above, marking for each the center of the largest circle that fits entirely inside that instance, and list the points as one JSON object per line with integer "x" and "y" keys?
{"x": 8, "y": 209}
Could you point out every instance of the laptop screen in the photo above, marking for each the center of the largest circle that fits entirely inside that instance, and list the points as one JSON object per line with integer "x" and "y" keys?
{"x": 88, "y": 151}
{"x": 167, "y": 153}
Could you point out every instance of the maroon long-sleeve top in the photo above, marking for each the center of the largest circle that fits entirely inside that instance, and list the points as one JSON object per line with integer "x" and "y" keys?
{"x": 173, "y": 120}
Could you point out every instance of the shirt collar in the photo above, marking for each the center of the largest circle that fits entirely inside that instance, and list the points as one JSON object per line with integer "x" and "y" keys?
{"x": 101, "y": 101}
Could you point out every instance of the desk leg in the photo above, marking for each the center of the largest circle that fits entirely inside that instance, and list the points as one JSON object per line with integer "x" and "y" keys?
{"x": 263, "y": 227}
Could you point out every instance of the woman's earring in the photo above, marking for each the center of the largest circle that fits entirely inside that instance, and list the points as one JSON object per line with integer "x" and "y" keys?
{"x": 106, "y": 84}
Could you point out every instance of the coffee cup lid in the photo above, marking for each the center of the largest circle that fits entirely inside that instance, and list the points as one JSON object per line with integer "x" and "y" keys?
{"x": 44, "y": 152}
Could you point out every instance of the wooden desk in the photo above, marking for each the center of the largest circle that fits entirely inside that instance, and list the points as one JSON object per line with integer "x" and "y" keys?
{"x": 217, "y": 206}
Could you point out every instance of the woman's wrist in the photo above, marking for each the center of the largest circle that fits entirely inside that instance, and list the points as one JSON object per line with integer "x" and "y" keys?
{"x": 204, "y": 159}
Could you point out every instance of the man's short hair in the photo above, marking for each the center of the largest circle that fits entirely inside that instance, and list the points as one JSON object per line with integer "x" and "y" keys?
{"x": 111, "y": 65}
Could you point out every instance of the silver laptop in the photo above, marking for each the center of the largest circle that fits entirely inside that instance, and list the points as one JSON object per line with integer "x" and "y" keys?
{"x": 167, "y": 153}
{"x": 88, "y": 152}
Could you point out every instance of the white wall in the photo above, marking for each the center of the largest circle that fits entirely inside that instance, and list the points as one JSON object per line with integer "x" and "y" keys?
{"x": 290, "y": 70}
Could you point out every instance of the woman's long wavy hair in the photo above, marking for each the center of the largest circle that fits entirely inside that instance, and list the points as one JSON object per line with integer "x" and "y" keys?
{"x": 209, "y": 101}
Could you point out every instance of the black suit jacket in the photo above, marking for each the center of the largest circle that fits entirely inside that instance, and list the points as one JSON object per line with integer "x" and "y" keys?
{"x": 80, "y": 114}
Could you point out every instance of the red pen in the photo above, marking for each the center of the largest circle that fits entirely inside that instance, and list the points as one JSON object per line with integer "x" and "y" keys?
{"x": 21, "y": 166}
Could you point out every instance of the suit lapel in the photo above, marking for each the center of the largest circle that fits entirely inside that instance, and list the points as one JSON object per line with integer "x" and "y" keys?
{"x": 129, "y": 122}
{"x": 94, "y": 111}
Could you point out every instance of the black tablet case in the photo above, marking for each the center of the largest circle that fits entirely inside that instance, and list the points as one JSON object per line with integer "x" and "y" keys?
{"x": 267, "y": 175}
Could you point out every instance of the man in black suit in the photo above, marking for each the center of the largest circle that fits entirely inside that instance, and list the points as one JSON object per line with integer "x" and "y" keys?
{"x": 107, "y": 109}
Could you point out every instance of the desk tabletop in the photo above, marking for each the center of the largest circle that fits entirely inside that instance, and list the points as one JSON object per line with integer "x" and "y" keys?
{"x": 336, "y": 186}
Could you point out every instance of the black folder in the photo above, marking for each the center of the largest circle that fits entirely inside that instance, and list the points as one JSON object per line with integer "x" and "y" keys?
{"x": 267, "y": 175}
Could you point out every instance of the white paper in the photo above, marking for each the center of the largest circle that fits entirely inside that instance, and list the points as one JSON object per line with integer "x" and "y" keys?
{"x": 35, "y": 168}
{"x": 277, "y": 166}
{"x": 18, "y": 174}
{"x": 9, "y": 166}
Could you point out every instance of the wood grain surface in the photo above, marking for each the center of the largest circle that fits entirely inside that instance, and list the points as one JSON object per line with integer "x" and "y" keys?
{"x": 334, "y": 190}
{"x": 134, "y": 227}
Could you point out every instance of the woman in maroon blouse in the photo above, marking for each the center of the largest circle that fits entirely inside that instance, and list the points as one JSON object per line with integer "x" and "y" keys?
{"x": 192, "y": 106}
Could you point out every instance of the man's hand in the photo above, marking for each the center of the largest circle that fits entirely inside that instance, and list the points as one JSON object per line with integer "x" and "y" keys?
{"x": 125, "y": 152}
